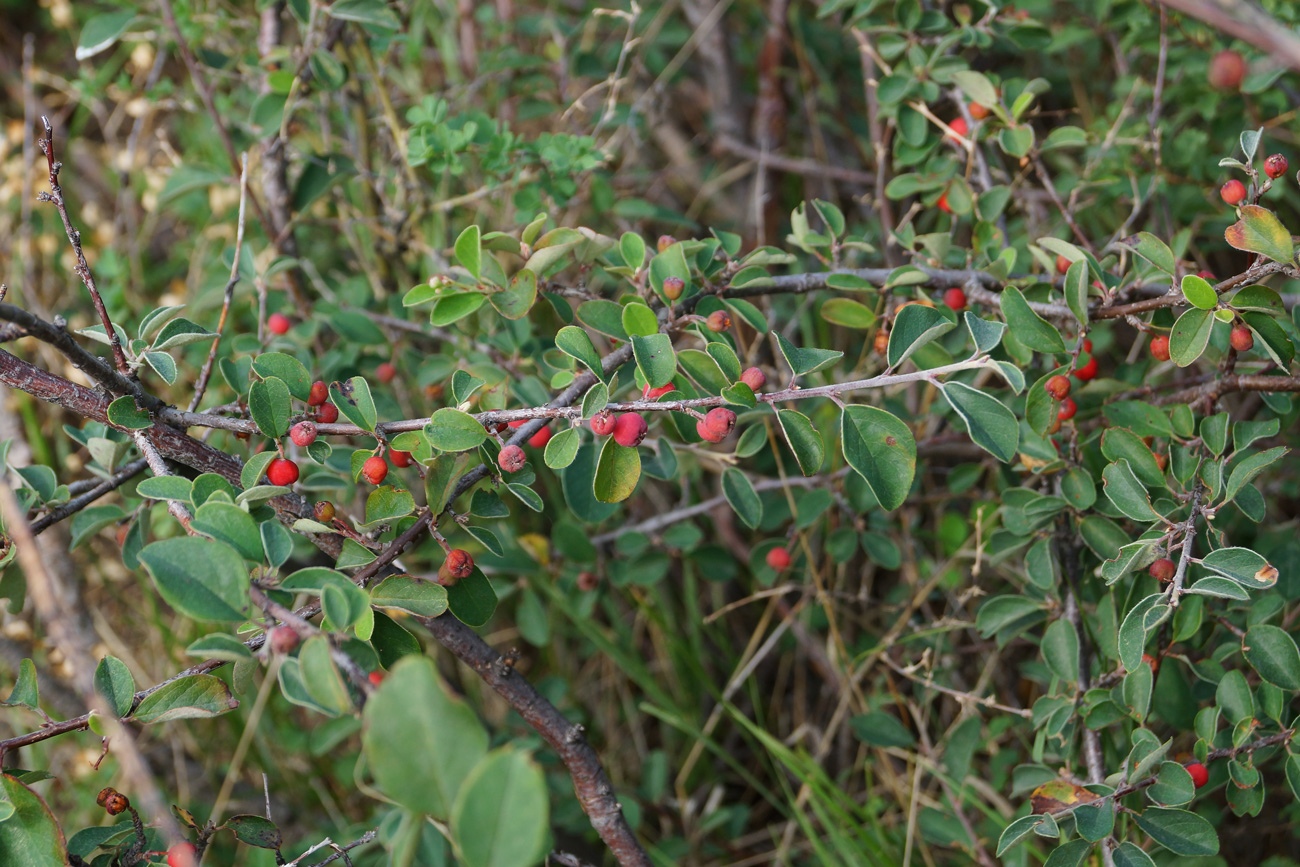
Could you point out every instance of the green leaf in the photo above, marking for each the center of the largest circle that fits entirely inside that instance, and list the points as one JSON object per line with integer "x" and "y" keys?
{"x": 1155, "y": 251}
{"x": 441, "y": 476}
{"x": 881, "y": 729}
{"x": 255, "y": 831}
{"x": 88, "y": 522}
{"x": 638, "y": 319}
{"x": 1190, "y": 335}
{"x": 848, "y": 313}
{"x": 101, "y": 32}
{"x": 253, "y": 471}
{"x": 472, "y": 600}
{"x": 1273, "y": 653}
{"x": 740, "y": 493}
{"x": 914, "y": 326}
{"x": 29, "y": 835}
{"x": 202, "y": 579}
{"x": 501, "y": 816}
{"x": 123, "y": 413}
{"x": 804, "y": 440}
{"x": 1126, "y": 492}
{"x": 353, "y": 400}
{"x": 1076, "y": 289}
{"x": 181, "y": 332}
{"x": 455, "y": 306}
{"x": 562, "y": 448}
{"x": 218, "y": 645}
{"x": 991, "y": 425}
{"x": 1129, "y": 855}
{"x": 986, "y": 334}
{"x": 450, "y": 430}
{"x": 1199, "y": 292}
{"x": 1173, "y": 786}
{"x": 1029, "y": 328}
{"x": 1271, "y": 337}
{"x": 372, "y": 13}
{"x": 1061, "y": 650}
{"x": 1069, "y": 854}
{"x": 595, "y": 399}
{"x": 198, "y": 696}
{"x": 882, "y": 450}
{"x": 1260, "y": 231}
{"x": 1020, "y": 829}
{"x": 805, "y": 361}
{"x": 1247, "y": 469}
{"x": 573, "y": 341}
{"x": 703, "y": 369}
{"x": 228, "y": 523}
{"x": 114, "y": 682}
{"x": 319, "y": 673}
{"x": 976, "y": 86}
{"x": 405, "y": 593}
{"x": 1179, "y": 831}
{"x": 632, "y": 248}
{"x": 287, "y": 369}
{"x": 165, "y": 488}
{"x": 163, "y": 365}
{"x": 26, "y": 691}
{"x": 269, "y": 405}
{"x": 469, "y": 250}
{"x": 603, "y": 316}
{"x": 655, "y": 358}
{"x": 386, "y": 504}
{"x": 617, "y": 472}
{"x": 1243, "y": 566}
{"x": 518, "y": 298}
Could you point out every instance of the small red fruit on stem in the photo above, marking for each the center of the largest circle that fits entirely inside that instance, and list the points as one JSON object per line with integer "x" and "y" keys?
{"x": 1088, "y": 371}
{"x": 1067, "y": 410}
{"x": 1058, "y": 387}
{"x": 718, "y": 320}
{"x": 754, "y": 378}
{"x": 665, "y": 241}
{"x": 958, "y": 126}
{"x": 1062, "y": 264}
{"x": 1160, "y": 348}
{"x": 1275, "y": 166}
{"x": 283, "y": 639}
{"x": 459, "y": 564}
{"x": 1200, "y": 774}
{"x": 541, "y": 438}
{"x": 719, "y": 421}
{"x": 942, "y": 204}
{"x": 278, "y": 323}
{"x": 630, "y": 429}
{"x": 673, "y": 288}
{"x": 385, "y": 372}
{"x": 512, "y": 459}
{"x": 649, "y": 393}
{"x": 376, "y": 677}
{"x": 303, "y": 434}
{"x": 955, "y": 298}
{"x": 324, "y": 511}
{"x": 282, "y": 472}
{"x": 117, "y": 803}
{"x": 400, "y": 459}
{"x": 978, "y": 110}
{"x": 706, "y": 434}
{"x": 778, "y": 559}
{"x": 319, "y": 394}
{"x": 1227, "y": 70}
{"x": 602, "y": 423}
{"x": 374, "y": 470}
{"x": 1163, "y": 570}
{"x": 1241, "y": 339}
{"x": 182, "y": 855}
{"x": 104, "y": 795}
{"x": 1233, "y": 192}
{"x": 327, "y": 414}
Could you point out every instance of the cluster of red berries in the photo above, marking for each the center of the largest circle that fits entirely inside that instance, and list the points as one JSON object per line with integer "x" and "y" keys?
{"x": 1234, "y": 191}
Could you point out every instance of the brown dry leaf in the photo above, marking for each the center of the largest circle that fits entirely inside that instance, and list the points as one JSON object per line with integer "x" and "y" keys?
{"x": 1059, "y": 795}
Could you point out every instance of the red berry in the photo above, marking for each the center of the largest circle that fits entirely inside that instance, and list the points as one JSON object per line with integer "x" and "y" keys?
{"x": 630, "y": 429}
{"x": 324, "y": 511}
{"x": 1160, "y": 347}
{"x": 655, "y": 393}
{"x": 754, "y": 378}
{"x": 665, "y": 241}
{"x": 778, "y": 559}
{"x": 1088, "y": 371}
{"x": 978, "y": 111}
{"x": 512, "y": 459}
{"x": 376, "y": 677}
{"x": 282, "y": 472}
{"x": 673, "y": 288}
{"x": 117, "y": 803}
{"x": 1233, "y": 192}
{"x": 374, "y": 470}
{"x": 1067, "y": 410}
{"x": 1227, "y": 70}
{"x": 541, "y": 438}
{"x": 1163, "y": 570}
{"x": 720, "y": 421}
{"x": 1207, "y": 275}
{"x": 282, "y": 639}
{"x": 459, "y": 564}
{"x": 303, "y": 434}
{"x": 958, "y": 126}
{"x": 399, "y": 459}
{"x": 327, "y": 414}
{"x": 104, "y": 794}
{"x": 278, "y": 323}
{"x": 942, "y": 204}
{"x": 520, "y": 423}
{"x": 319, "y": 394}
{"x": 1058, "y": 386}
{"x": 1062, "y": 264}
{"x": 385, "y": 372}
{"x": 955, "y": 298}
{"x": 602, "y": 423}
{"x": 1241, "y": 339}
{"x": 718, "y": 320}
{"x": 1275, "y": 166}
{"x": 1087, "y": 345}
{"x": 706, "y": 434}
{"x": 587, "y": 581}
{"x": 1200, "y": 775}
{"x": 182, "y": 855}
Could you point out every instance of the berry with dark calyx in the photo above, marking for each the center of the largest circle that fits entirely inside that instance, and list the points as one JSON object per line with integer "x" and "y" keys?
{"x": 630, "y": 429}
{"x": 754, "y": 378}
{"x": 512, "y": 459}
{"x": 1233, "y": 192}
{"x": 958, "y": 127}
{"x": 1160, "y": 347}
{"x": 282, "y": 639}
{"x": 541, "y": 438}
{"x": 385, "y": 372}
{"x": 602, "y": 423}
{"x": 303, "y": 434}
{"x": 327, "y": 414}
{"x": 1062, "y": 264}
{"x": 282, "y": 472}
{"x": 673, "y": 288}
{"x": 942, "y": 204}
{"x": 587, "y": 581}
{"x": 104, "y": 794}
{"x": 1275, "y": 166}
{"x": 324, "y": 511}
{"x": 1199, "y": 773}
{"x": 376, "y": 677}
{"x": 1058, "y": 386}
{"x": 1163, "y": 570}
{"x": 278, "y": 323}
{"x": 978, "y": 110}
{"x": 720, "y": 421}
{"x": 718, "y": 320}
{"x": 1067, "y": 410}
{"x": 117, "y": 803}
{"x": 1241, "y": 339}
{"x": 706, "y": 434}
{"x": 664, "y": 242}
{"x": 374, "y": 470}
{"x": 1227, "y": 70}
{"x": 1088, "y": 371}
{"x": 955, "y": 298}
{"x": 655, "y": 393}
{"x": 319, "y": 394}
{"x": 399, "y": 458}
{"x": 778, "y": 559}
{"x": 459, "y": 564}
